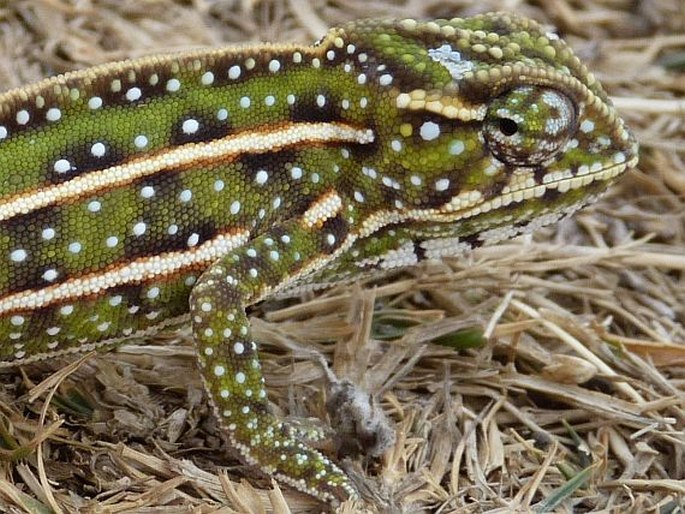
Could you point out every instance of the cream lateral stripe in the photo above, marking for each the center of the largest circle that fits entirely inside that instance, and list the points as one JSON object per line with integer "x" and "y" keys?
{"x": 136, "y": 271}
{"x": 295, "y": 134}
{"x": 325, "y": 207}
{"x": 449, "y": 107}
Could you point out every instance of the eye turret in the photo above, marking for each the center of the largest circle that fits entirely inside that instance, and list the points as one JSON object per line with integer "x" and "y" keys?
{"x": 527, "y": 125}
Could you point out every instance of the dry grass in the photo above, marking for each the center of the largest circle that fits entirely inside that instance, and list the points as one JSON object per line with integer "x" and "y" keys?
{"x": 577, "y": 392}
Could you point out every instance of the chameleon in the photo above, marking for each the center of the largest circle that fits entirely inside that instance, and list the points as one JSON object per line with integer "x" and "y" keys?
{"x": 185, "y": 188}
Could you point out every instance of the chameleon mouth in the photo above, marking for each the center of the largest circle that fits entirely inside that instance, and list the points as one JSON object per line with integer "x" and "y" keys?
{"x": 469, "y": 204}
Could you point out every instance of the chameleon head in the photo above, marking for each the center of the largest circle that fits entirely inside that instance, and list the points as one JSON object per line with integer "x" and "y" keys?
{"x": 490, "y": 122}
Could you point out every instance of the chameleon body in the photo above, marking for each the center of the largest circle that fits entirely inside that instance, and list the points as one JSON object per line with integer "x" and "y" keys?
{"x": 138, "y": 194}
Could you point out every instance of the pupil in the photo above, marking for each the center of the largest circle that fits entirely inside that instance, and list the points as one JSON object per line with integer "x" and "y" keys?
{"x": 508, "y": 127}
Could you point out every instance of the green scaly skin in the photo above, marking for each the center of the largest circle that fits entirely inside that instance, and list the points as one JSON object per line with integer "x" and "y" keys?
{"x": 135, "y": 192}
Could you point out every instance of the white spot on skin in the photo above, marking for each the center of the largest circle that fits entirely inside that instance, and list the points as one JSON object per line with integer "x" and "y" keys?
{"x": 66, "y": 310}
{"x": 147, "y": 192}
{"x": 456, "y": 147}
{"x": 587, "y": 126}
{"x": 94, "y": 103}
{"x": 50, "y": 275}
{"x": 274, "y": 66}
{"x": 234, "y": 72}
{"x": 112, "y": 241}
{"x": 75, "y": 247}
{"x": 62, "y": 166}
{"x": 193, "y": 239}
{"x": 369, "y": 172}
{"x": 140, "y": 141}
{"x": 18, "y": 255}
{"x": 185, "y": 196}
{"x": 261, "y": 177}
{"x": 245, "y": 102}
{"x": 442, "y": 184}
{"x": 207, "y": 78}
{"x": 235, "y": 207}
{"x": 153, "y": 292}
{"x": 98, "y": 150}
{"x": 139, "y": 228}
{"x": 385, "y": 80}
{"x": 94, "y": 206}
{"x": 296, "y": 172}
{"x": 238, "y": 348}
{"x": 53, "y": 114}
{"x": 219, "y": 371}
{"x": 222, "y": 114}
{"x": 133, "y": 94}
{"x": 240, "y": 377}
{"x": 48, "y": 233}
{"x": 23, "y": 117}
{"x": 173, "y": 85}
{"x": 190, "y": 126}
{"x": 219, "y": 185}
{"x": 269, "y": 100}
{"x": 429, "y": 131}
{"x": 320, "y": 100}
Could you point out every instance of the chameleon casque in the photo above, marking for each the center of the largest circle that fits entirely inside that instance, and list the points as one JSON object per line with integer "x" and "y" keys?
{"x": 139, "y": 194}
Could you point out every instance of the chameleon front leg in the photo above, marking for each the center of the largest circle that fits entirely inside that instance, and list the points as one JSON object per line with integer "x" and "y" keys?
{"x": 228, "y": 359}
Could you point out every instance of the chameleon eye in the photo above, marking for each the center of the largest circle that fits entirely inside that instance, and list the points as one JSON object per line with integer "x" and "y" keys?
{"x": 527, "y": 125}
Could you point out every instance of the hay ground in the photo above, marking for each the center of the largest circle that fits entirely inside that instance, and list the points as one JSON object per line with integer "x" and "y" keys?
{"x": 574, "y": 401}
